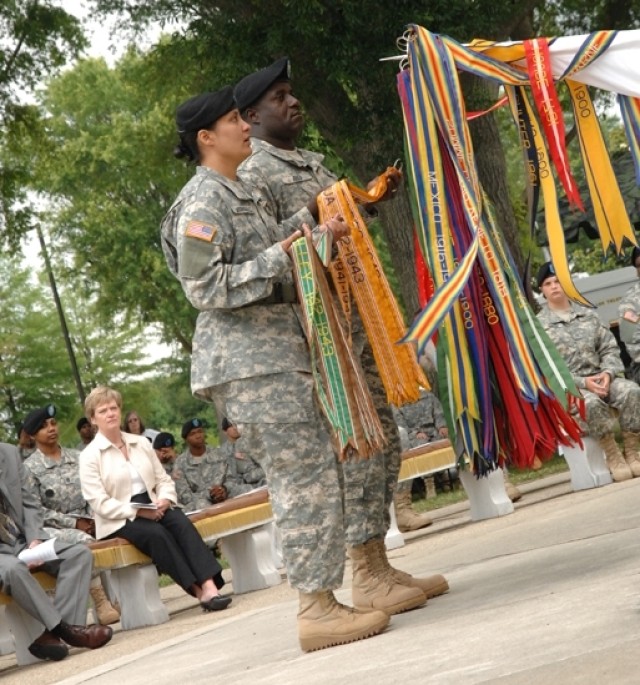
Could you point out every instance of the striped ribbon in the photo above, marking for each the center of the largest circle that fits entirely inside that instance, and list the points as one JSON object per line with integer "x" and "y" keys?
{"x": 544, "y": 94}
{"x": 630, "y": 111}
{"x": 491, "y": 378}
{"x": 506, "y": 65}
{"x": 358, "y": 273}
{"x": 342, "y": 388}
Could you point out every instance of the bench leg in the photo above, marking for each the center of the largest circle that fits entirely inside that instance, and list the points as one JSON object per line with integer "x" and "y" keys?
{"x": 6, "y": 638}
{"x": 250, "y": 554}
{"x": 393, "y": 539}
{"x": 136, "y": 588}
{"x": 588, "y": 468}
{"x": 487, "y": 496}
{"x": 25, "y": 630}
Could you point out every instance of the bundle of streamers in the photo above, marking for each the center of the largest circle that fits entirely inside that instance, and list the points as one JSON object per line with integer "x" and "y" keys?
{"x": 505, "y": 389}
{"x": 357, "y": 276}
{"x": 357, "y": 273}
{"x": 342, "y": 389}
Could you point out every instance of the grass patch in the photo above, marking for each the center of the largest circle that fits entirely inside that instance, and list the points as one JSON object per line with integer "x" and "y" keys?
{"x": 518, "y": 476}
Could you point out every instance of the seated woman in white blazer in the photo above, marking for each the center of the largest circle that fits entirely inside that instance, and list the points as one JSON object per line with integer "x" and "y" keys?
{"x": 119, "y": 470}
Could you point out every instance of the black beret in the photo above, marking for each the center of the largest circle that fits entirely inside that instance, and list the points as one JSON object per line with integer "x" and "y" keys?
{"x": 544, "y": 272}
{"x": 83, "y": 421}
{"x": 634, "y": 255}
{"x": 36, "y": 418}
{"x": 251, "y": 88}
{"x": 163, "y": 440}
{"x": 226, "y": 424}
{"x": 202, "y": 111}
{"x": 190, "y": 425}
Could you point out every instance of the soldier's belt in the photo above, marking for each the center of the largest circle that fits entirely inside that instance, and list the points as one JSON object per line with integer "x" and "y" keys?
{"x": 283, "y": 293}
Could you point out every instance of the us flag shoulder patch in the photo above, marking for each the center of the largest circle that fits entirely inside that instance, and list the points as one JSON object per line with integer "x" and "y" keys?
{"x": 201, "y": 231}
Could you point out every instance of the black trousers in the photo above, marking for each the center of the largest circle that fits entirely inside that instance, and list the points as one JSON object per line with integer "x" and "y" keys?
{"x": 175, "y": 547}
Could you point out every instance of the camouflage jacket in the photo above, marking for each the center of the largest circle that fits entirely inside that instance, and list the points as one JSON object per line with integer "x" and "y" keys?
{"x": 194, "y": 477}
{"x": 224, "y": 248}
{"x": 57, "y": 484}
{"x": 424, "y": 416}
{"x": 286, "y": 179}
{"x": 584, "y": 342}
{"x": 242, "y": 467}
{"x": 631, "y": 303}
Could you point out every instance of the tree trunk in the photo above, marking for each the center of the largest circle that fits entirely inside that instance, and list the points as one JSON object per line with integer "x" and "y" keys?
{"x": 490, "y": 160}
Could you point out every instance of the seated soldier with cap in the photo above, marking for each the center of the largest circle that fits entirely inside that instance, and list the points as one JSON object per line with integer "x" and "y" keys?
{"x": 21, "y": 527}
{"x": 164, "y": 445}
{"x": 85, "y": 429}
{"x": 242, "y": 466}
{"x": 593, "y": 357}
{"x": 202, "y": 473}
{"x": 54, "y": 475}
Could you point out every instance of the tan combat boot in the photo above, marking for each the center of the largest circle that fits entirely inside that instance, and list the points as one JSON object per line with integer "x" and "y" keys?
{"x": 632, "y": 451}
{"x": 407, "y": 518}
{"x": 432, "y": 586}
{"x": 324, "y": 622}
{"x": 615, "y": 461}
{"x": 373, "y": 588}
{"x": 106, "y": 613}
{"x": 512, "y": 491}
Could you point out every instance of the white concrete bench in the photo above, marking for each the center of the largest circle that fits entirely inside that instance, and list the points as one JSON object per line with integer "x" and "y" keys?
{"x": 587, "y": 465}
{"x": 487, "y": 496}
{"x": 245, "y": 525}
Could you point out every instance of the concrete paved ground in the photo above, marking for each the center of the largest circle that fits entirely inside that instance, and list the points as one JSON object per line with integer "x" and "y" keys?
{"x": 548, "y": 594}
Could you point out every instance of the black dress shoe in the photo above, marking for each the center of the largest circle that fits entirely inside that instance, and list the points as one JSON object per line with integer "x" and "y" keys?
{"x": 217, "y": 603}
{"x": 92, "y": 637}
{"x": 48, "y": 646}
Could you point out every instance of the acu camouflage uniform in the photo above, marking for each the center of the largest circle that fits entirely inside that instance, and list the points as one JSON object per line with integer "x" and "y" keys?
{"x": 242, "y": 467}
{"x": 631, "y": 303}
{"x": 251, "y": 357}
{"x": 287, "y": 180}
{"x": 424, "y": 416}
{"x": 57, "y": 484}
{"x": 589, "y": 347}
{"x": 195, "y": 476}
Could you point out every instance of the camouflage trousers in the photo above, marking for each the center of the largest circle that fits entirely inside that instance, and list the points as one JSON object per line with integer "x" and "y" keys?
{"x": 624, "y": 395}
{"x": 370, "y": 484}
{"x": 280, "y": 425}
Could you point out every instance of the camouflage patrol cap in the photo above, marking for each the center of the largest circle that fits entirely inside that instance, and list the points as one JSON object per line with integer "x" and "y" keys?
{"x": 190, "y": 425}
{"x": 36, "y": 418}
{"x": 202, "y": 111}
{"x": 544, "y": 272}
{"x": 163, "y": 440}
{"x": 252, "y": 87}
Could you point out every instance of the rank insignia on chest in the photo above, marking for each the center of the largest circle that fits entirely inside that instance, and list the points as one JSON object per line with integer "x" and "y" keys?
{"x": 201, "y": 231}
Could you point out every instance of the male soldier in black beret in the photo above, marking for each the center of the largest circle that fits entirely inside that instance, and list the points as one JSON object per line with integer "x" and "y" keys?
{"x": 289, "y": 180}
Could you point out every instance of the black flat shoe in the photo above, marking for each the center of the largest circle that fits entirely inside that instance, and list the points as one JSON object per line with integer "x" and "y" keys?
{"x": 217, "y": 603}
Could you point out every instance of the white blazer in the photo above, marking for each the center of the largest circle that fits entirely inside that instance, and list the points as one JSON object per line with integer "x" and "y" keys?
{"x": 106, "y": 482}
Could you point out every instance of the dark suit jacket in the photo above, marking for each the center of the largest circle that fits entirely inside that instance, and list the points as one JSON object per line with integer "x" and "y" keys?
{"x": 24, "y": 505}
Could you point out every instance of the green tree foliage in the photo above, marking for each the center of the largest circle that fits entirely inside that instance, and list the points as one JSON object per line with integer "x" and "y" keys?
{"x": 34, "y": 367}
{"x": 104, "y": 161}
{"x": 36, "y": 38}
